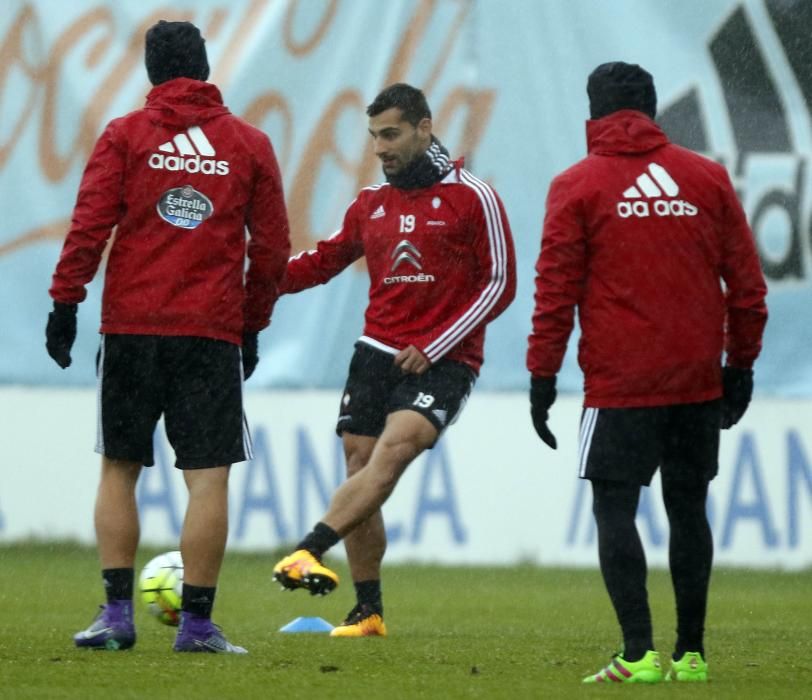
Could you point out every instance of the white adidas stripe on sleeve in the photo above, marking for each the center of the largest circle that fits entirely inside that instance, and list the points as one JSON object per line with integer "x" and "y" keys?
{"x": 493, "y": 290}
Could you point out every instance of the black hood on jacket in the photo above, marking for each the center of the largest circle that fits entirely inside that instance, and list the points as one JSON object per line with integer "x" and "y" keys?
{"x": 618, "y": 85}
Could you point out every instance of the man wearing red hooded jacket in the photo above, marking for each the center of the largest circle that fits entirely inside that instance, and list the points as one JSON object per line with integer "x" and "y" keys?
{"x": 640, "y": 237}
{"x": 180, "y": 181}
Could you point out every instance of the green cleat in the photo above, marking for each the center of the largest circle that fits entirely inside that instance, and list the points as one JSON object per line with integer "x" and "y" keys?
{"x": 691, "y": 667}
{"x": 647, "y": 670}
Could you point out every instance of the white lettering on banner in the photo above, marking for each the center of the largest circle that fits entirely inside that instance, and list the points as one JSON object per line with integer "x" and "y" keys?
{"x": 259, "y": 497}
{"x": 745, "y": 503}
{"x": 444, "y": 508}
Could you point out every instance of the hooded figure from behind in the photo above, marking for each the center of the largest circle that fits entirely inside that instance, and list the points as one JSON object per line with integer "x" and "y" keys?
{"x": 618, "y": 85}
{"x": 175, "y": 50}
{"x": 195, "y": 196}
{"x": 649, "y": 243}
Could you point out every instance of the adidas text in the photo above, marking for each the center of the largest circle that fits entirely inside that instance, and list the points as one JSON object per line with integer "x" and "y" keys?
{"x": 660, "y": 207}
{"x": 191, "y": 164}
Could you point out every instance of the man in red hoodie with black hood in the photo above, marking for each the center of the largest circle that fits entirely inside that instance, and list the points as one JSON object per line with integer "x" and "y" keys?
{"x": 649, "y": 242}
{"x": 180, "y": 181}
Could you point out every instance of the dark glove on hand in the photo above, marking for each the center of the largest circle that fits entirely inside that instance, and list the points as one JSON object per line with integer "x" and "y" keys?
{"x": 737, "y": 390}
{"x": 250, "y": 353}
{"x": 61, "y": 332}
{"x": 542, "y": 396}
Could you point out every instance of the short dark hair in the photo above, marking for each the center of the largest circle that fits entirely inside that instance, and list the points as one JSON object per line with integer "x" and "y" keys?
{"x": 409, "y": 100}
{"x": 175, "y": 50}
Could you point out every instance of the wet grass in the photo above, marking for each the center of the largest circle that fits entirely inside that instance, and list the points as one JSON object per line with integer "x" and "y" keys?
{"x": 455, "y": 632}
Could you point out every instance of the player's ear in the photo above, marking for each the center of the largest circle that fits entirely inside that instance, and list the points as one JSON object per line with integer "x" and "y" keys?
{"x": 424, "y": 128}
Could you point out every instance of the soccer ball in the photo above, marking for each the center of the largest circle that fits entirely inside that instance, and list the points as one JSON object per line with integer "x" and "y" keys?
{"x": 161, "y": 587}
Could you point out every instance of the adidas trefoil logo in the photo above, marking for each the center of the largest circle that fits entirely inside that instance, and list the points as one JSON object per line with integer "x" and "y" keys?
{"x": 649, "y": 193}
{"x": 190, "y": 151}
{"x": 378, "y": 213}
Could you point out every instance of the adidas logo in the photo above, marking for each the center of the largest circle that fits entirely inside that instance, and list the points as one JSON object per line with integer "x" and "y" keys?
{"x": 441, "y": 415}
{"x": 378, "y": 213}
{"x": 649, "y": 190}
{"x": 191, "y": 152}
{"x": 758, "y": 59}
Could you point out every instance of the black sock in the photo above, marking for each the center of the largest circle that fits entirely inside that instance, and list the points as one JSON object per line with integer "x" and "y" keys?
{"x": 369, "y": 593}
{"x": 198, "y": 600}
{"x": 623, "y": 563}
{"x": 690, "y": 557}
{"x": 319, "y": 540}
{"x": 118, "y": 584}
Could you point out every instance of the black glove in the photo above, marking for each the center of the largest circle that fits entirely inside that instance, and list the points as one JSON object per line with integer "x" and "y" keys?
{"x": 737, "y": 390}
{"x": 542, "y": 396}
{"x": 61, "y": 332}
{"x": 250, "y": 353}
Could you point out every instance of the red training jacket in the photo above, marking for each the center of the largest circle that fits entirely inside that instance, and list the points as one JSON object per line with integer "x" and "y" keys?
{"x": 638, "y": 236}
{"x": 180, "y": 180}
{"x": 440, "y": 260}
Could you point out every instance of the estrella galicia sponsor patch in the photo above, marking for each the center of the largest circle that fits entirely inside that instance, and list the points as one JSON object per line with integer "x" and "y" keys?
{"x": 184, "y": 207}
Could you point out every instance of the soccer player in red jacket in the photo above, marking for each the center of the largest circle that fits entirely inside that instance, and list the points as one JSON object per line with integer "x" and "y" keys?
{"x": 640, "y": 236}
{"x": 441, "y": 266}
{"x": 180, "y": 180}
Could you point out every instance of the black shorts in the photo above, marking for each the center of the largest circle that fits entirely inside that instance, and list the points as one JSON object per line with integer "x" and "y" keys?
{"x": 195, "y": 383}
{"x": 628, "y": 444}
{"x": 376, "y": 387}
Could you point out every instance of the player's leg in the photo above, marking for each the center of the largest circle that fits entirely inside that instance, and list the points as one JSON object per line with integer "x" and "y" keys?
{"x": 690, "y": 462}
{"x": 362, "y": 415}
{"x": 205, "y": 526}
{"x": 116, "y": 522}
{"x": 623, "y": 562}
{"x": 406, "y": 435}
{"x": 206, "y": 427}
{"x": 366, "y": 544}
{"x": 618, "y": 456}
{"x": 128, "y": 412}
{"x": 419, "y": 408}
{"x": 365, "y": 547}
{"x": 690, "y": 557}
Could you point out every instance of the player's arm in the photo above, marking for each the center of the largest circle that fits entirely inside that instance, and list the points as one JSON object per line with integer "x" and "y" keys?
{"x": 559, "y": 281}
{"x": 491, "y": 292}
{"x": 98, "y": 209}
{"x": 746, "y": 287}
{"x": 269, "y": 241}
{"x": 313, "y": 267}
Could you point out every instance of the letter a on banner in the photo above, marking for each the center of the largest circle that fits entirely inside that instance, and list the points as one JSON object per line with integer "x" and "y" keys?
{"x": 442, "y": 504}
{"x": 800, "y": 475}
{"x": 264, "y": 499}
{"x": 748, "y": 470}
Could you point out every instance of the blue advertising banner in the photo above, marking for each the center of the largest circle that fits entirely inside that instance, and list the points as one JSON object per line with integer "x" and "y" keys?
{"x": 506, "y": 83}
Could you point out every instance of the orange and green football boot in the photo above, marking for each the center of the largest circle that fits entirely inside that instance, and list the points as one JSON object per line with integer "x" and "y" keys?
{"x": 302, "y": 570}
{"x": 362, "y": 621}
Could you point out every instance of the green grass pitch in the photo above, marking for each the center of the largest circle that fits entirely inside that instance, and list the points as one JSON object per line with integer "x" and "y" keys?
{"x": 455, "y": 632}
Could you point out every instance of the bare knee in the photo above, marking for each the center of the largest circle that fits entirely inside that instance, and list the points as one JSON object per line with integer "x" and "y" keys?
{"x": 209, "y": 480}
{"x": 120, "y": 471}
{"x": 357, "y": 451}
{"x": 391, "y": 457}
